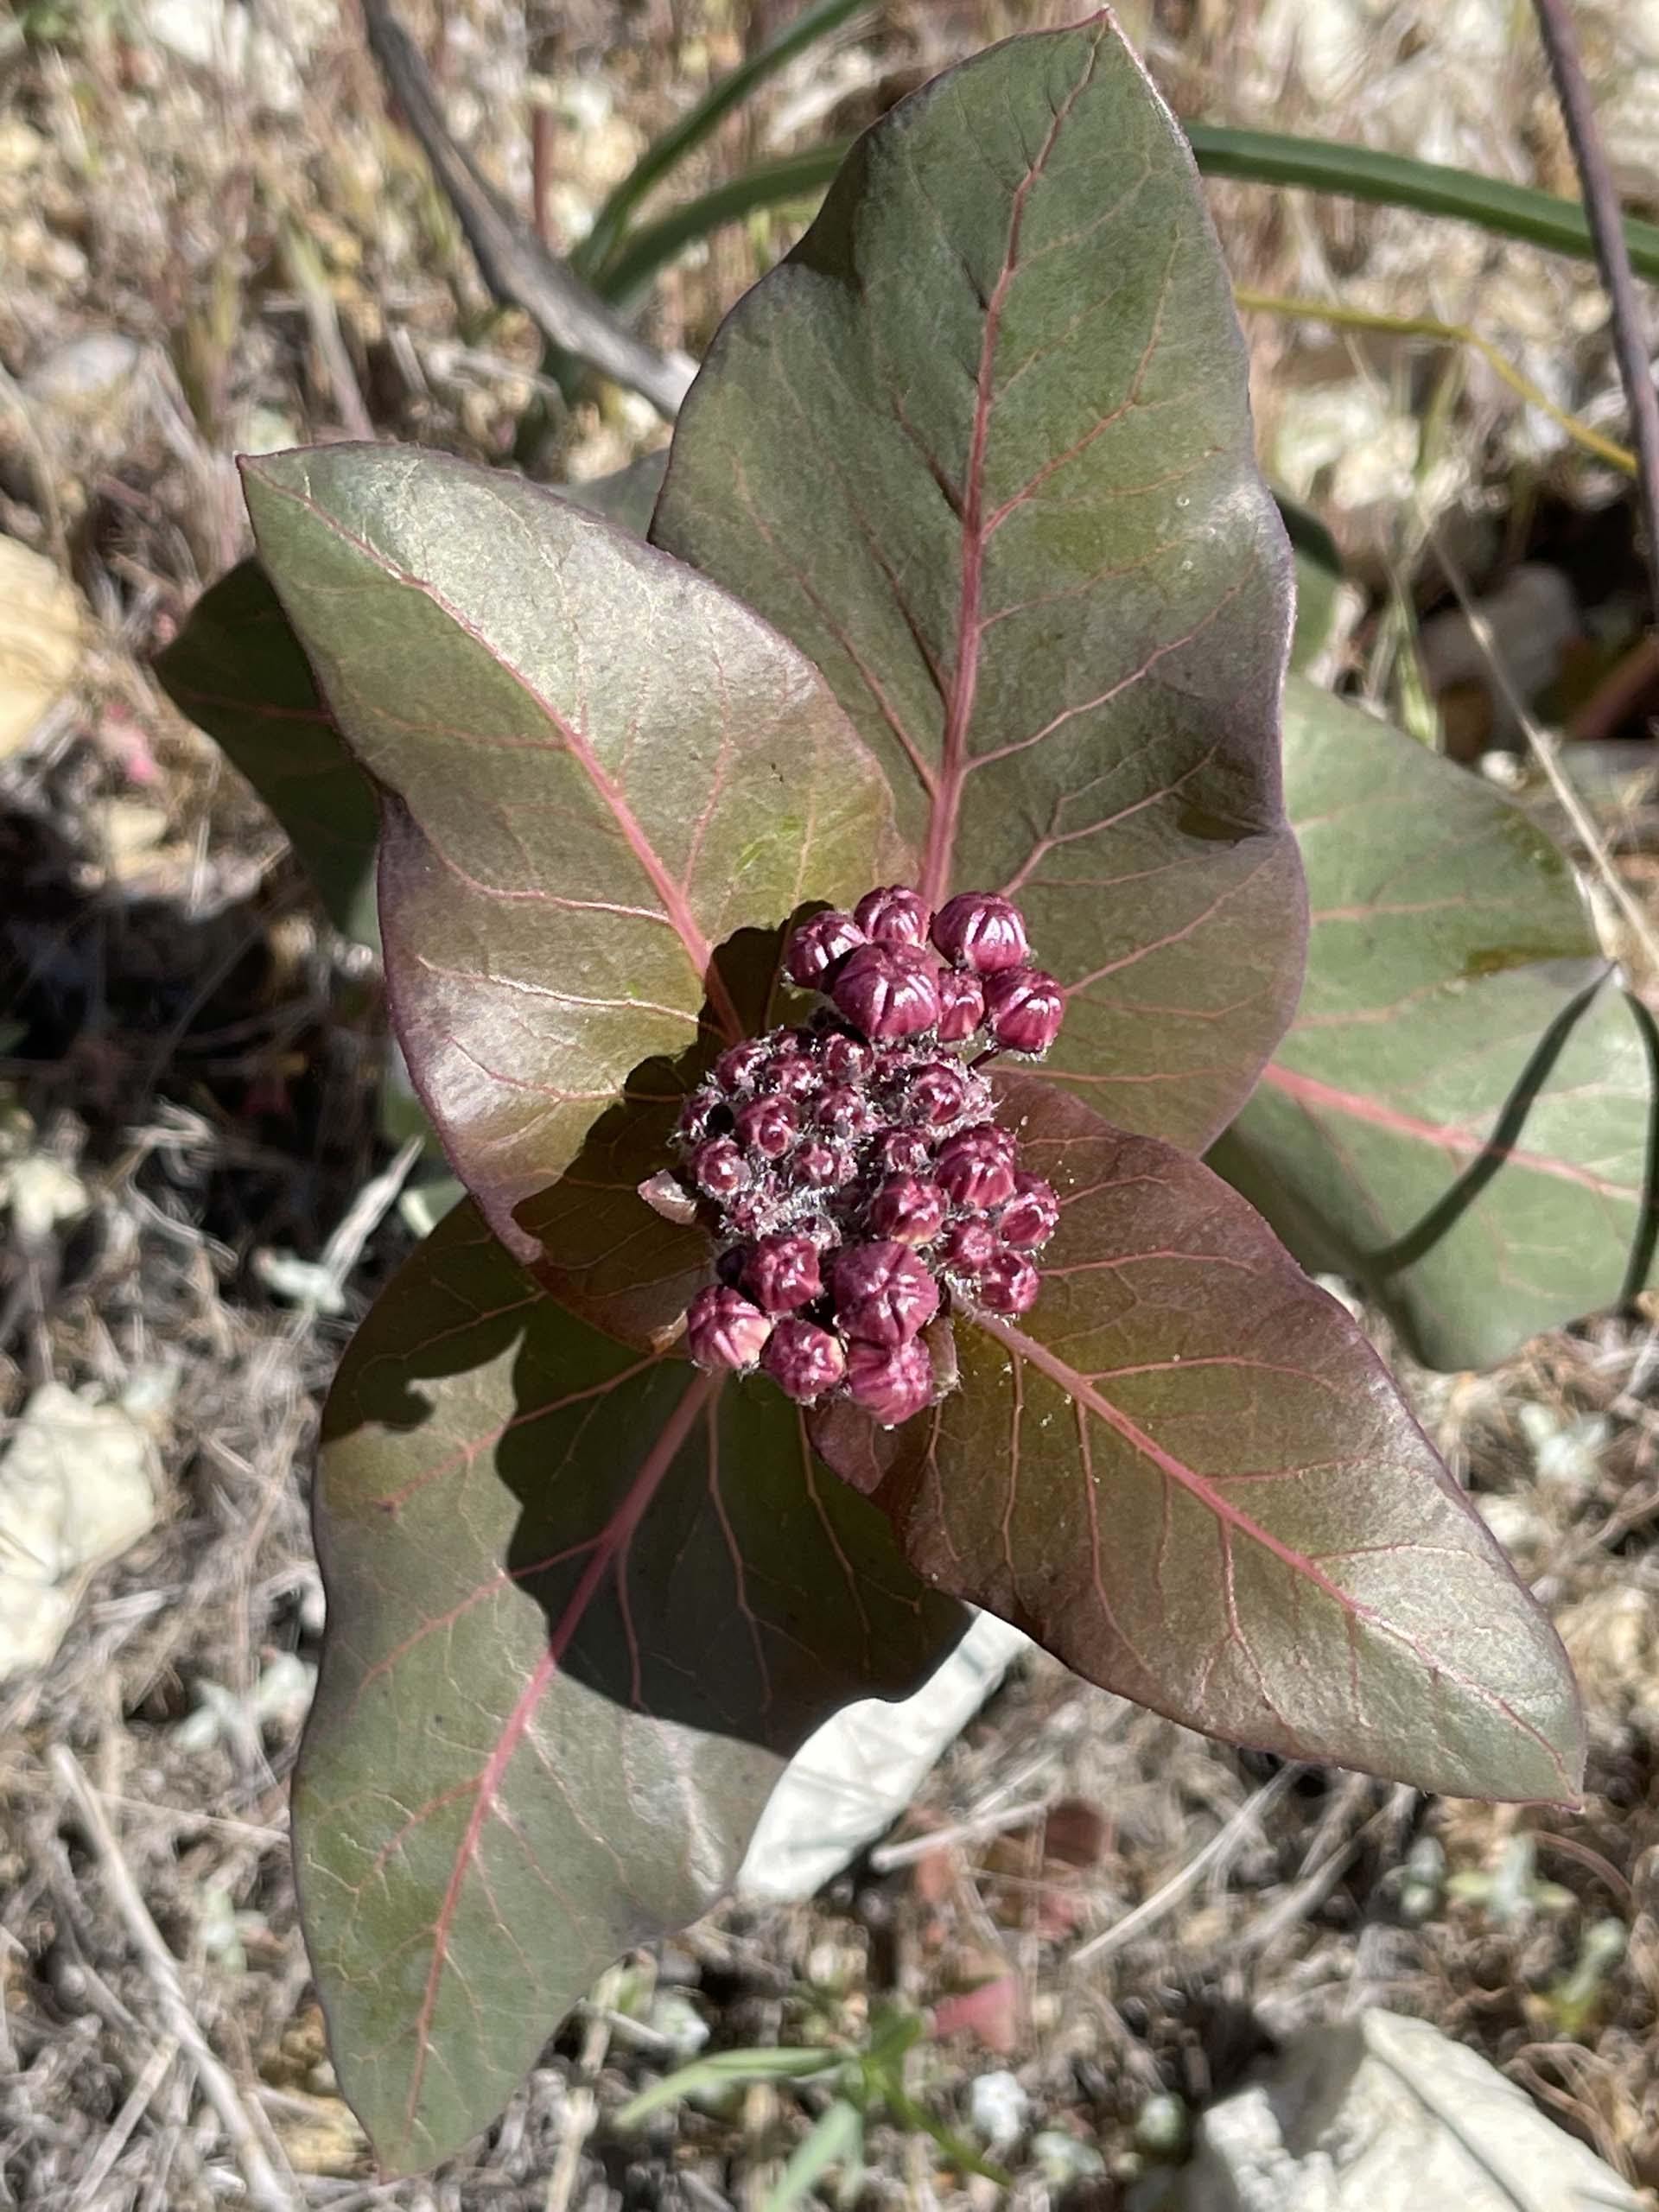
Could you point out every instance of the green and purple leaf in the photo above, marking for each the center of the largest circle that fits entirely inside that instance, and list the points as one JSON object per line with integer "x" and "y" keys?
{"x": 1462, "y": 1116}
{"x": 596, "y": 767}
{"x": 1187, "y": 1473}
{"x": 238, "y": 671}
{"x": 980, "y": 446}
{"x": 582, "y": 1606}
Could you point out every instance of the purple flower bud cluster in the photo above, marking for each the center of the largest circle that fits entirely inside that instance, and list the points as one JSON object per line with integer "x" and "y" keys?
{"x": 856, "y": 1183}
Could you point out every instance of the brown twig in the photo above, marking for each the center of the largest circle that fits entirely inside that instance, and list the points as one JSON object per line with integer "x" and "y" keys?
{"x": 266, "y": 2190}
{"x": 513, "y": 261}
{"x": 1606, "y": 222}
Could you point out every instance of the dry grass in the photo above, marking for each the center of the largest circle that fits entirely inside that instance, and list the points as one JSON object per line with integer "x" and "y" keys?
{"x": 271, "y": 256}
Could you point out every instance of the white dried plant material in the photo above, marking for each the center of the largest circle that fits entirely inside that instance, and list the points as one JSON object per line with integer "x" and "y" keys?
{"x": 77, "y": 1489}
{"x": 854, "y": 1776}
{"x": 40, "y": 639}
{"x": 1386, "y": 2114}
{"x": 41, "y": 1195}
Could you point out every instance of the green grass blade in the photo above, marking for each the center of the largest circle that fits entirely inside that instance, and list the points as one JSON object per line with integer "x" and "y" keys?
{"x": 663, "y": 153}
{"x": 1250, "y": 156}
{"x": 1394, "y": 181}
{"x": 720, "y": 2071}
{"x": 837, "y": 2140}
{"x": 795, "y": 177}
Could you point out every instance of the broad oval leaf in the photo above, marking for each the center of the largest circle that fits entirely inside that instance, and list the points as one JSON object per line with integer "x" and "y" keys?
{"x": 597, "y": 765}
{"x": 981, "y": 445}
{"x": 1462, "y": 1116}
{"x": 582, "y": 1606}
{"x": 238, "y": 671}
{"x": 1187, "y": 1474}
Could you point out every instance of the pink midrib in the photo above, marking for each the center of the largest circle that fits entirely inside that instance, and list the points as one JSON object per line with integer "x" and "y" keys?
{"x": 1308, "y": 1090}
{"x": 1197, "y": 1486}
{"x": 954, "y": 762}
{"x": 617, "y": 1536}
{"x": 675, "y": 904}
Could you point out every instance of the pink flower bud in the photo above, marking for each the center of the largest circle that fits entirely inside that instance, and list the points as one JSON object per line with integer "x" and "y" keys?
{"x": 818, "y": 947}
{"x": 907, "y": 1209}
{"x": 892, "y": 1382}
{"x": 696, "y": 1117}
{"x": 883, "y": 1294}
{"x": 768, "y": 1125}
{"x": 821, "y": 1167}
{"x": 1025, "y": 1008}
{"x": 804, "y": 1360}
{"x": 723, "y": 1330}
{"x": 846, "y": 1059}
{"x": 937, "y": 1092}
{"x": 894, "y": 915}
{"x": 961, "y": 1006}
{"x": 754, "y": 1212}
{"x": 782, "y": 1273}
{"x": 969, "y": 1246}
{"x": 1031, "y": 1215}
{"x": 974, "y": 1169}
{"x": 846, "y": 1112}
{"x": 738, "y": 1068}
{"x": 792, "y": 1074}
{"x": 718, "y": 1168}
{"x": 1008, "y": 1283}
{"x": 978, "y": 930}
{"x": 903, "y": 1152}
{"x": 888, "y": 990}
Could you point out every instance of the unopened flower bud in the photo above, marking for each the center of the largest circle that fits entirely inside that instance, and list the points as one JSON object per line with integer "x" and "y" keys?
{"x": 737, "y": 1068}
{"x": 723, "y": 1330}
{"x": 974, "y": 1169}
{"x": 846, "y": 1059}
{"x": 978, "y": 930}
{"x": 961, "y": 1006}
{"x": 768, "y": 1125}
{"x": 1031, "y": 1215}
{"x": 718, "y": 1168}
{"x": 754, "y": 1212}
{"x": 907, "y": 1209}
{"x": 891, "y": 1382}
{"x": 969, "y": 1246}
{"x": 888, "y": 990}
{"x": 903, "y": 1152}
{"x": 818, "y": 947}
{"x": 894, "y": 915}
{"x": 782, "y": 1273}
{"x": 821, "y": 1167}
{"x": 937, "y": 1092}
{"x": 804, "y": 1360}
{"x": 696, "y": 1117}
{"x": 792, "y": 1074}
{"x": 1008, "y": 1283}
{"x": 883, "y": 1294}
{"x": 1025, "y": 1008}
{"x": 846, "y": 1112}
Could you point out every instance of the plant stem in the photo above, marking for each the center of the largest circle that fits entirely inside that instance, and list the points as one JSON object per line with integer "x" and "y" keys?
{"x": 512, "y": 260}
{"x": 1341, "y": 316}
{"x": 1606, "y": 222}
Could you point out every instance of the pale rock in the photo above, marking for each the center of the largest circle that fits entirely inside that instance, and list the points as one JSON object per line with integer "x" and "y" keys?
{"x": 41, "y": 638}
{"x": 1383, "y": 2113}
{"x": 86, "y": 376}
{"x": 77, "y": 1489}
